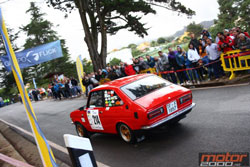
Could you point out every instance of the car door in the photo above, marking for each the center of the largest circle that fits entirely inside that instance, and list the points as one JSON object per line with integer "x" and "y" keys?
{"x": 114, "y": 110}
{"x": 95, "y": 107}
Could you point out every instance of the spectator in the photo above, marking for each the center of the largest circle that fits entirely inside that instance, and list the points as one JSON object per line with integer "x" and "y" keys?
{"x": 75, "y": 85}
{"x": 67, "y": 89}
{"x": 225, "y": 43}
{"x": 173, "y": 65}
{"x": 243, "y": 42}
{"x": 194, "y": 42}
{"x": 150, "y": 61}
{"x": 98, "y": 75}
{"x": 129, "y": 70}
{"x": 85, "y": 82}
{"x": 122, "y": 68}
{"x": 206, "y": 33}
{"x": 143, "y": 64}
{"x": 118, "y": 71}
{"x": 164, "y": 63}
{"x": 202, "y": 46}
{"x": 35, "y": 96}
{"x": 214, "y": 58}
{"x": 236, "y": 34}
{"x": 136, "y": 65}
{"x": 93, "y": 81}
{"x": 244, "y": 32}
{"x": 194, "y": 57}
{"x": 111, "y": 74}
{"x": 181, "y": 59}
{"x": 227, "y": 33}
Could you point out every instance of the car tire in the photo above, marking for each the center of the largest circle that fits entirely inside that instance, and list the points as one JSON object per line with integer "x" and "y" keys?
{"x": 126, "y": 133}
{"x": 81, "y": 130}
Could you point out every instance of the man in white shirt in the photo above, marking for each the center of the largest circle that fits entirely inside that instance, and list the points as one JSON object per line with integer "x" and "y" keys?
{"x": 214, "y": 57}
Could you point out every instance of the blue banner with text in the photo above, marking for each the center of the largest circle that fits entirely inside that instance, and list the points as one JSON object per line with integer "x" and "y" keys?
{"x": 36, "y": 55}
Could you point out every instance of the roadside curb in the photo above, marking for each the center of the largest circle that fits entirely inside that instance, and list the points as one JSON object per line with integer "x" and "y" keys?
{"x": 24, "y": 147}
{"x": 239, "y": 80}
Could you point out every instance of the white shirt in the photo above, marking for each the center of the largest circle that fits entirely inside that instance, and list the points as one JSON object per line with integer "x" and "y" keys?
{"x": 212, "y": 51}
{"x": 193, "y": 55}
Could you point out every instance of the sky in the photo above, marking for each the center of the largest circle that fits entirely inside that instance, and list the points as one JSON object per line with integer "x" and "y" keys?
{"x": 162, "y": 24}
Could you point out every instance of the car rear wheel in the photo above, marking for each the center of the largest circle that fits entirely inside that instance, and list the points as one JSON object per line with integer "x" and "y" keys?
{"x": 126, "y": 133}
{"x": 81, "y": 131}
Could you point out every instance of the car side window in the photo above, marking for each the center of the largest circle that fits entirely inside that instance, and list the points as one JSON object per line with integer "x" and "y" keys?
{"x": 112, "y": 99}
{"x": 96, "y": 99}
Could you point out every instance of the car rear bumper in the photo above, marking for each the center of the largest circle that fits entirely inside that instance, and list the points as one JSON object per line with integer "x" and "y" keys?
{"x": 178, "y": 113}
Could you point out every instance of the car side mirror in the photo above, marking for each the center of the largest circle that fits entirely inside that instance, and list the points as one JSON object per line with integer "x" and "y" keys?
{"x": 82, "y": 108}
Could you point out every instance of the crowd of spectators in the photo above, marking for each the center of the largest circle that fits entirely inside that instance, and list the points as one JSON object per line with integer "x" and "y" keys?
{"x": 64, "y": 88}
{"x": 200, "y": 62}
{"x": 60, "y": 88}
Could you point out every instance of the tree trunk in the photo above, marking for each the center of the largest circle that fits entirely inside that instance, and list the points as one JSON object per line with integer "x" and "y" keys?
{"x": 101, "y": 17}
{"x": 98, "y": 60}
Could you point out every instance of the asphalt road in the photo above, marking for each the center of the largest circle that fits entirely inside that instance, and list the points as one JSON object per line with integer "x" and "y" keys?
{"x": 219, "y": 123}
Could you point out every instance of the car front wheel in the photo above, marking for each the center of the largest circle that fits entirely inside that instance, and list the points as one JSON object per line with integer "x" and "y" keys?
{"x": 81, "y": 131}
{"x": 126, "y": 133}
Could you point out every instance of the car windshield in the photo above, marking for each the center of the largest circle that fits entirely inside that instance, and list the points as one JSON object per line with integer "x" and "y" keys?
{"x": 144, "y": 86}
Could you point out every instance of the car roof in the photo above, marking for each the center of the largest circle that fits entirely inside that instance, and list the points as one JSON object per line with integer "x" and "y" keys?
{"x": 122, "y": 81}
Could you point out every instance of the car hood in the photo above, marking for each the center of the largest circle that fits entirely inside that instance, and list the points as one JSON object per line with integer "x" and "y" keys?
{"x": 157, "y": 98}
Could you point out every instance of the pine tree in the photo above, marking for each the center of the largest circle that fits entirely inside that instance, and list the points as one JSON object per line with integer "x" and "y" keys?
{"x": 39, "y": 31}
{"x": 233, "y": 13}
{"x": 102, "y": 17}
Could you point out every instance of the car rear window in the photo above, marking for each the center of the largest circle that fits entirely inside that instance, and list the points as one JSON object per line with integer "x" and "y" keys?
{"x": 144, "y": 86}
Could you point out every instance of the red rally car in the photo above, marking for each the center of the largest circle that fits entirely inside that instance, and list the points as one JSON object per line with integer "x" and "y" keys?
{"x": 130, "y": 105}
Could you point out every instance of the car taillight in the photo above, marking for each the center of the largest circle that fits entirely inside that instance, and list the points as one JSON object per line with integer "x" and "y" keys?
{"x": 155, "y": 113}
{"x": 185, "y": 98}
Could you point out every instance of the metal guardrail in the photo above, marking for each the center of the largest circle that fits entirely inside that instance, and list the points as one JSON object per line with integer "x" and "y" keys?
{"x": 235, "y": 60}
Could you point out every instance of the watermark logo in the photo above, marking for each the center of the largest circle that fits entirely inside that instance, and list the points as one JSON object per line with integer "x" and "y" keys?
{"x": 224, "y": 159}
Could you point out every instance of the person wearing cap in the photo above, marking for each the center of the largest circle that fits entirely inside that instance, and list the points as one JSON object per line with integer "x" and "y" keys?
{"x": 243, "y": 42}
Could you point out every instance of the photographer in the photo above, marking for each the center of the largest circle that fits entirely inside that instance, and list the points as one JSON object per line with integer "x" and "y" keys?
{"x": 225, "y": 42}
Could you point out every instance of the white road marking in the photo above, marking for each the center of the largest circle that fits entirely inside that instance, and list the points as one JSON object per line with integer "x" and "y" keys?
{"x": 217, "y": 87}
{"x": 52, "y": 144}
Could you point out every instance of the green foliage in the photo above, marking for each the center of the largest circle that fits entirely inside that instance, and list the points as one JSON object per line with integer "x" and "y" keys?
{"x": 170, "y": 39}
{"x": 39, "y": 31}
{"x": 161, "y": 40}
{"x": 233, "y": 13}
{"x": 121, "y": 14}
{"x": 7, "y": 81}
{"x": 136, "y": 52}
{"x": 195, "y": 28}
{"x": 115, "y": 61}
{"x": 153, "y": 43}
{"x": 132, "y": 46}
{"x": 87, "y": 66}
{"x": 243, "y": 14}
{"x": 102, "y": 17}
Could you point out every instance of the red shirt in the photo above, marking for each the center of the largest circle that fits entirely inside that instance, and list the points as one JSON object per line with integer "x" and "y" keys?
{"x": 129, "y": 70}
{"x": 227, "y": 41}
{"x": 246, "y": 34}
